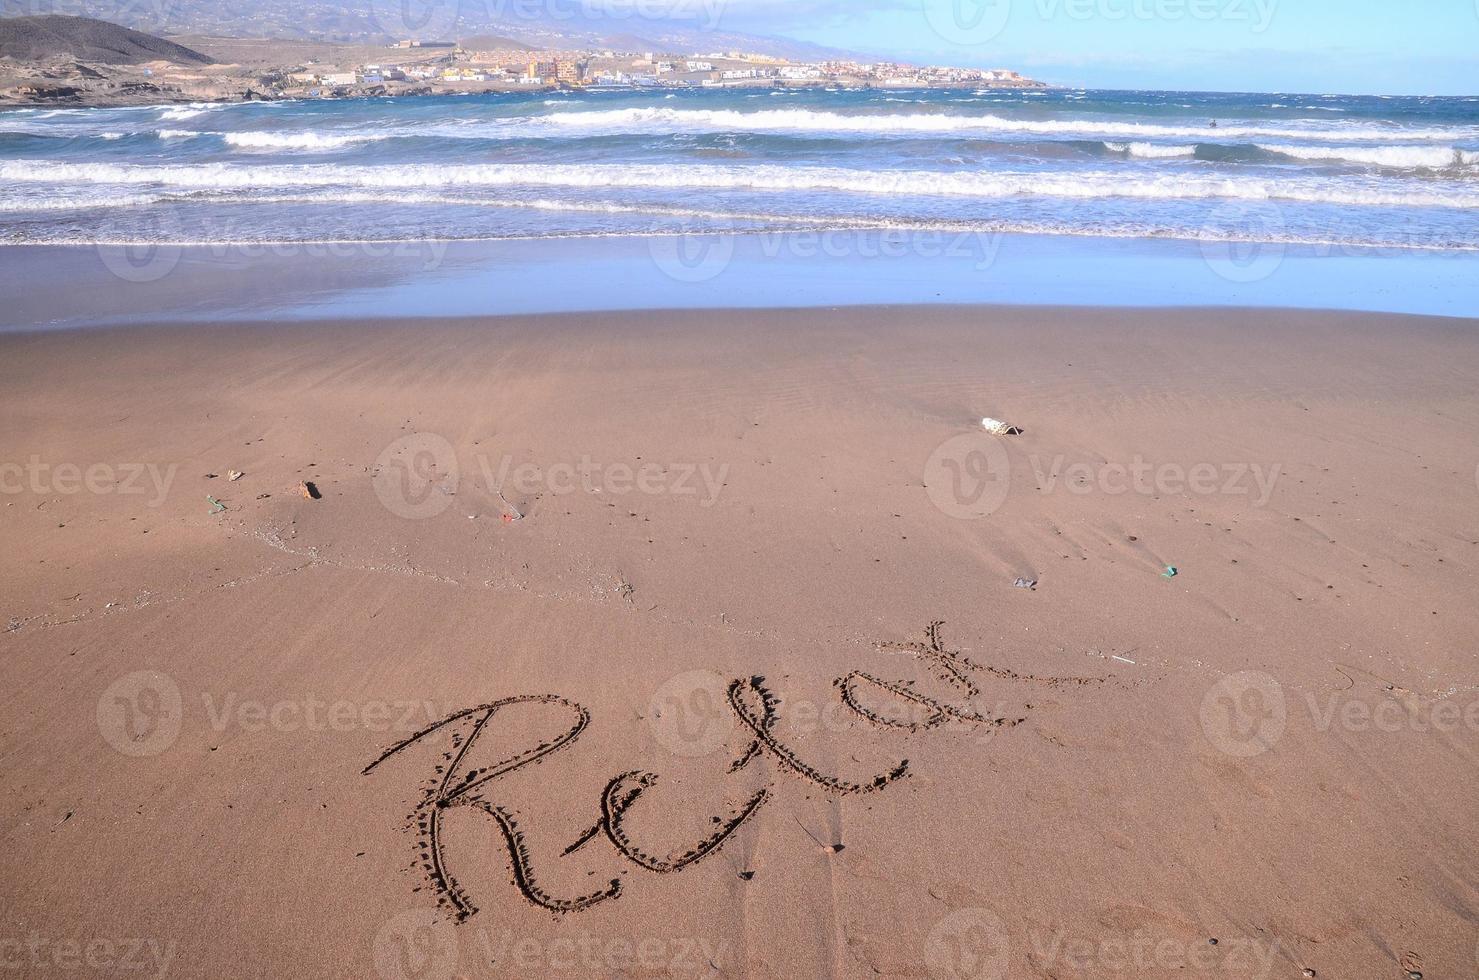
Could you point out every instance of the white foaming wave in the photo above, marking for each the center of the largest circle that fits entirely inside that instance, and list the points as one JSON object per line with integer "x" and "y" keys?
{"x": 805, "y": 120}
{"x": 1152, "y": 151}
{"x": 178, "y": 115}
{"x": 177, "y": 134}
{"x": 1080, "y": 185}
{"x": 73, "y": 202}
{"x": 297, "y": 141}
{"x": 1396, "y": 157}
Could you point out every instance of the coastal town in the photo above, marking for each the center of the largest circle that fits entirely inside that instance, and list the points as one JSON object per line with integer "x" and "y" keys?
{"x": 184, "y": 68}
{"x": 473, "y": 65}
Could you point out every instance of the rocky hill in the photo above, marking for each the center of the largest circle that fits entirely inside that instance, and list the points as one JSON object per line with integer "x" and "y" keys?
{"x": 41, "y": 39}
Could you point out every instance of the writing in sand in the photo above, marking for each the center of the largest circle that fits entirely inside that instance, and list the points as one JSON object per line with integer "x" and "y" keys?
{"x": 455, "y": 783}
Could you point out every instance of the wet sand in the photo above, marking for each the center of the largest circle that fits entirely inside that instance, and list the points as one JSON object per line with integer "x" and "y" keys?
{"x": 731, "y": 598}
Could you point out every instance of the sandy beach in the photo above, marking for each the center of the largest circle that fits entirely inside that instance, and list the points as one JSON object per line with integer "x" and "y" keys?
{"x": 728, "y": 643}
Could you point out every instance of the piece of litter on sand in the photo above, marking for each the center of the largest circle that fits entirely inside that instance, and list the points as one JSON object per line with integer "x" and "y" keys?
{"x": 1025, "y": 583}
{"x": 235, "y": 475}
{"x": 216, "y": 506}
{"x": 1122, "y": 660}
{"x": 999, "y": 428}
{"x": 309, "y": 490}
{"x": 513, "y": 514}
{"x": 1171, "y": 572}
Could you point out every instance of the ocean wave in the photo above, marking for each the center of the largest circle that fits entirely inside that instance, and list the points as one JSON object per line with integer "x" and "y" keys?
{"x": 297, "y": 141}
{"x": 643, "y": 119}
{"x": 1396, "y": 157}
{"x": 900, "y": 183}
{"x": 728, "y": 225}
{"x": 1151, "y": 151}
{"x": 179, "y": 113}
{"x": 73, "y": 202}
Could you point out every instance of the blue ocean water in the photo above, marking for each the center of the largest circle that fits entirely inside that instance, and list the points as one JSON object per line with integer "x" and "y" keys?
{"x": 1333, "y": 171}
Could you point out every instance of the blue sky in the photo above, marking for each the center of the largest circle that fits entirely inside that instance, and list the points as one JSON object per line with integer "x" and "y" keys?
{"x": 1424, "y": 47}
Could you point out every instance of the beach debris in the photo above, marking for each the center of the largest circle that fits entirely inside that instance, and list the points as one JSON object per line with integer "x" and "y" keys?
{"x": 1123, "y": 660}
{"x": 513, "y": 512}
{"x": 999, "y": 428}
{"x": 1026, "y": 583}
{"x": 216, "y": 506}
{"x": 235, "y": 475}
{"x": 1171, "y": 572}
{"x": 308, "y": 489}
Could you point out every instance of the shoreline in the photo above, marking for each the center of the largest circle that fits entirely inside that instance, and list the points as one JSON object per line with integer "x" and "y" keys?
{"x": 165, "y": 98}
{"x": 854, "y": 268}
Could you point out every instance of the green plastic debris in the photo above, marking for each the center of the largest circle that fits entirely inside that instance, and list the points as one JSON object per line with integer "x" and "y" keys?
{"x": 1171, "y": 572}
{"x": 216, "y": 506}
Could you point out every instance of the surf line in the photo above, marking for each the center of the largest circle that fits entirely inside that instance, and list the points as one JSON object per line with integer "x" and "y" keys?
{"x": 455, "y": 783}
